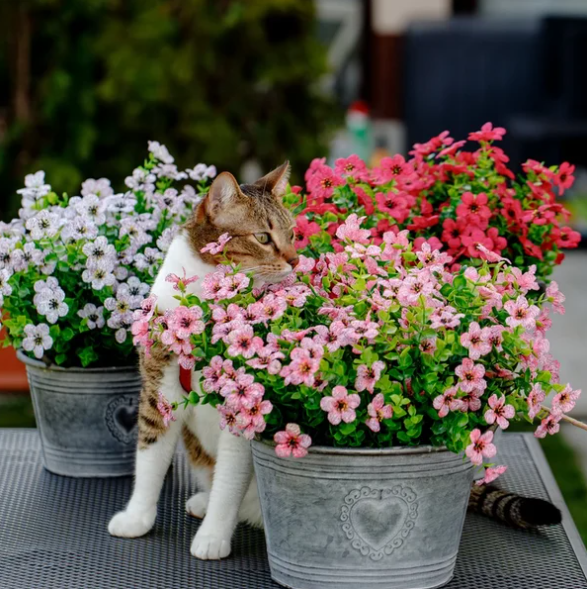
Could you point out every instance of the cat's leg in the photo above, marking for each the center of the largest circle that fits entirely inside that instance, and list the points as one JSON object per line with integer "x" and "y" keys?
{"x": 203, "y": 465}
{"x": 232, "y": 476}
{"x": 156, "y": 447}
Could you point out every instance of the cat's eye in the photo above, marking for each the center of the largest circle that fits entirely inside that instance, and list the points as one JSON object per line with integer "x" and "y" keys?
{"x": 292, "y": 235}
{"x": 263, "y": 238}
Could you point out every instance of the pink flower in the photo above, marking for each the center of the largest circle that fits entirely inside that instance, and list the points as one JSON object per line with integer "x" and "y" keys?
{"x": 273, "y": 307}
{"x": 232, "y": 285}
{"x": 212, "y": 375}
{"x": 428, "y": 345}
{"x": 480, "y": 447}
{"x": 186, "y": 321}
{"x": 250, "y": 420}
{"x": 165, "y": 409}
{"x": 242, "y": 392}
{"x": 445, "y": 402}
{"x": 292, "y": 442}
{"x": 564, "y": 401}
{"x": 216, "y": 247}
{"x": 243, "y": 342}
{"x": 305, "y": 265}
{"x": 302, "y": 368}
{"x": 378, "y": 411}
{"x": 177, "y": 345}
{"x": 228, "y": 418}
{"x": 469, "y": 401}
{"x": 212, "y": 285}
{"x": 549, "y": 425}
{"x": 341, "y": 406}
{"x": 471, "y": 376}
{"x": 476, "y": 340}
{"x": 351, "y": 230}
{"x": 140, "y": 331}
{"x": 491, "y": 474}
{"x": 487, "y": 133}
{"x": 556, "y": 297}
{"x": 499, "y": 412}
{"x": 180, "y": 282}
{"x": 521, "y": 313}
{"x": 268, "y": 358}
{"x": 367, "y": 377}
{"x": 147, "y": 309}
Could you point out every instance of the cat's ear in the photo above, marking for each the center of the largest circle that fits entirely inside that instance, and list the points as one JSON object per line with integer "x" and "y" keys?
{"x": 223, "y": 194}
{"x": 276, "y": 181}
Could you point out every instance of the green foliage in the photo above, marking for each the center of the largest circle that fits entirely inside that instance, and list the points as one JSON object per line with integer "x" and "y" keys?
{"x": 219, "y": 81}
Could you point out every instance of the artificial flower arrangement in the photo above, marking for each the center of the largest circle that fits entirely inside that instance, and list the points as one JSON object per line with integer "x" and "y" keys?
{"x": 466, "y": 203}
{"x": 73, "y": 269}
{"x": 374, "y": 346}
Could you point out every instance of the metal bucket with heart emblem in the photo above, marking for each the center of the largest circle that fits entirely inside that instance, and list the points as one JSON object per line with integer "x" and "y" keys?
{"x": 363, "y": 518}
{"x": 86, "y": 417}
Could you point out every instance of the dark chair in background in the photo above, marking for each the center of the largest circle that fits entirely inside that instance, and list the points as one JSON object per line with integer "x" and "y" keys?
{"x": 528, "y": 76}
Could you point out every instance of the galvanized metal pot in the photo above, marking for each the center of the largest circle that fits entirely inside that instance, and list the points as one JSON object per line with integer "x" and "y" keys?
{"x": 362, "y": 518}
{"x": 86, "y": 417}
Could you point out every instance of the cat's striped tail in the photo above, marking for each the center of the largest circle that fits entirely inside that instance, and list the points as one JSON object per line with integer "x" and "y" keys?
{"x": 512, "y": 509}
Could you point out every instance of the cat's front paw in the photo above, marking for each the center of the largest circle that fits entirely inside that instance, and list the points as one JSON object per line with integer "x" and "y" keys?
{"x": 126, "y": 524}
{"x": 197, "y": 504}
{"x": 210, "y": 546}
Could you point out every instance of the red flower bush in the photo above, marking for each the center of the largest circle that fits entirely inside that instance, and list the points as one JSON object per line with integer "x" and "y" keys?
{"x": 467, "y": 203}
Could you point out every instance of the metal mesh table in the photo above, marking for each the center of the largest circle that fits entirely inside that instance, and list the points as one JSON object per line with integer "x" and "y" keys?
{"x": 53, "y": 533}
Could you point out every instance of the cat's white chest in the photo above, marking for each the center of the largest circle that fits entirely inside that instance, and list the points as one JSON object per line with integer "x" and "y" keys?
{"x": 204, "y": 422}
{"x": 180, "y": 257}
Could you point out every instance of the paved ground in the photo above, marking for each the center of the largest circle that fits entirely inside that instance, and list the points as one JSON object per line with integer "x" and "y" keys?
{"x": 568, "y": 338}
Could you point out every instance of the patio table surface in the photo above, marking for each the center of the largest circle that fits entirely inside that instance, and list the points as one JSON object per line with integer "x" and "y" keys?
{"x": 53, "y": 533}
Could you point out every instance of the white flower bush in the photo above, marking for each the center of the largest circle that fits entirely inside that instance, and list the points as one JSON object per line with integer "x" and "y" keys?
{"x": 73, "y": 269}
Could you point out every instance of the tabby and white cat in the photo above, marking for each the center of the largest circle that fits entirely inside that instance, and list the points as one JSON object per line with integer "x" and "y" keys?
{"x": 262, "y": 242}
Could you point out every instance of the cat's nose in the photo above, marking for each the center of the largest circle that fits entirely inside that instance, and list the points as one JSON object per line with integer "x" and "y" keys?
{"x": 293, "y": 262}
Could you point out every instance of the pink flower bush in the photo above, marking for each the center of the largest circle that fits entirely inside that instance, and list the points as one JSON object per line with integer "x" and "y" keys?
{"x": 375, "y": 345}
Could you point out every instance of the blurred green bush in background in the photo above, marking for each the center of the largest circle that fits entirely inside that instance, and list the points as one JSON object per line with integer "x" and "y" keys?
{"x": 85, "y": 83}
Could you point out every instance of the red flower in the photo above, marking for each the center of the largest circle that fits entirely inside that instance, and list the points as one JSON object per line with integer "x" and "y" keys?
{"x": 391, "y": 168}
{"x": 353, "y": 167}
{"x": 433, "y": 242}
{"x": 323, "y": 181}
{"x": 473, "y": 239}
{"x": 453, "y": 232}
{"x": 512, "y": 211}
{"x": 499, "y": 242}
{"x": 474, "y": 209}
{"x": 568, "y": 238}
{"x": 531, "y": 248}
{"x": 487, "y": 133}
{"x": 304, "y": 229}
{"x": 364, "y": 200}
{"x": 564, "y": 177}
{"x": 540, "y": 216}
{"x": 394, "y": 204}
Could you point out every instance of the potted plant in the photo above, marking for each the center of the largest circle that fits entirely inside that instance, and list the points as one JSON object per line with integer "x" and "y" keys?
{"x": 72, "y": 270}
{"x": 386, "y": 374}
{"x": 466, "y": 203}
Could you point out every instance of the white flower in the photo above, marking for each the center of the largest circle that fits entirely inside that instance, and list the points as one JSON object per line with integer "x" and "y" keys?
{"x": 160, "y": 152}
{"x": 6, "y": 252}
{"x": 43, "y": 224}
{"x": 93, "y": 315}
{"x": 99, "y": 276}
{"x": 5, "y": 288}
{"x": 99, "y": 252}
{"x": 46, "y": 267}
{"x": 100, "y": 187}
{"x": 120, "y": 335}
{"x": 37, "y": 339}
{"x": 121, "y": 273}
{"x": 51, "y": 283}
{"x": 169, "y": 171}
{"x": 35, "y": 188}
{"x": 50, "y": 304}
{"x": 81, "y": 227}
{"x": 119, "y": 203}
{"x": 201, "y": 171}
{"x": 134, "y": 229}
{"x": 23, "y": 258}
{"x": 93, "y": 208}
{"x": 135, "y": 290}
{"x": 14, "y": 229}
{"x": 166, "y": 238}
{"x": 149, "y": 260}
{"x": 169, "y": 200}
{"x": 141, "y": 180}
